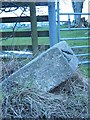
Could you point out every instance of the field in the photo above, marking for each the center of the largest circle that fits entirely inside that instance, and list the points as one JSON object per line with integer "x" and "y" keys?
{"x": 80, "y": 93}
{"x": 45, "y": 41}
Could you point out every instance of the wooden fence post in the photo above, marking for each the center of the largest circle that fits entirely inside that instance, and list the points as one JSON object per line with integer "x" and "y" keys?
{"x": 34, "y": 33}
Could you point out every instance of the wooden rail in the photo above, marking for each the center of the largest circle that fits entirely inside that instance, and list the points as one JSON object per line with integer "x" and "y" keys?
{"x": 25, "y": 3}
{"x": 40, "y": 33}
{"x": 22, "y": 19}
{"x": 23, "y": 34}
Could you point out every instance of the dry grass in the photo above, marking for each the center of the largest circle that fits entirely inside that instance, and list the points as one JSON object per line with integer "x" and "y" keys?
{"x": 68, "y": 100}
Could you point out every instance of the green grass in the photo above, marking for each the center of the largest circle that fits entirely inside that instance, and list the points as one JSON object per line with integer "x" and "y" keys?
{"x": 45, "y": 40}
{"x": 73, "y": 34}
{"x": 1, "y": 97}
{"x": 85, "y": 70}
{"x": 24, "y": 41}
{"x": 77, "y": 42}
{"x": 41, "y": 41}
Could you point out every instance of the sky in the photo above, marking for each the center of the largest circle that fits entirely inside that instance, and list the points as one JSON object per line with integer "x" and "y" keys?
{"x": 65, "y": 7}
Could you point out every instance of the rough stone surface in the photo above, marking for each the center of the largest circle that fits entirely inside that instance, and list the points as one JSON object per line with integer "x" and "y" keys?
{"x": 46, "y": 71}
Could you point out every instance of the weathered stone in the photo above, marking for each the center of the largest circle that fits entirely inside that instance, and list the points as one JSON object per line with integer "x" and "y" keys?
{"x": 46, "y": 71}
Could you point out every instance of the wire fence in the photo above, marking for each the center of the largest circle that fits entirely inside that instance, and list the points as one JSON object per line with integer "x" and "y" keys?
{"x": 85, "y": 26}
{"x": 24, "y": 102}
{"x": 15, "y": 55}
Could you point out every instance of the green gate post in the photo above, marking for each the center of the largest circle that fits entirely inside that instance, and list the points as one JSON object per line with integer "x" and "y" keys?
{"x": 34, "y": 34}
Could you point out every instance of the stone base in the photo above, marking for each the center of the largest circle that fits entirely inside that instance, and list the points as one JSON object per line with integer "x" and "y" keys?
{"x": 46, "y": 71}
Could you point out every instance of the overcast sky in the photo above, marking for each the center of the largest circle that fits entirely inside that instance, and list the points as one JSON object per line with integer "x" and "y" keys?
{"x": 65, "y": 7}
